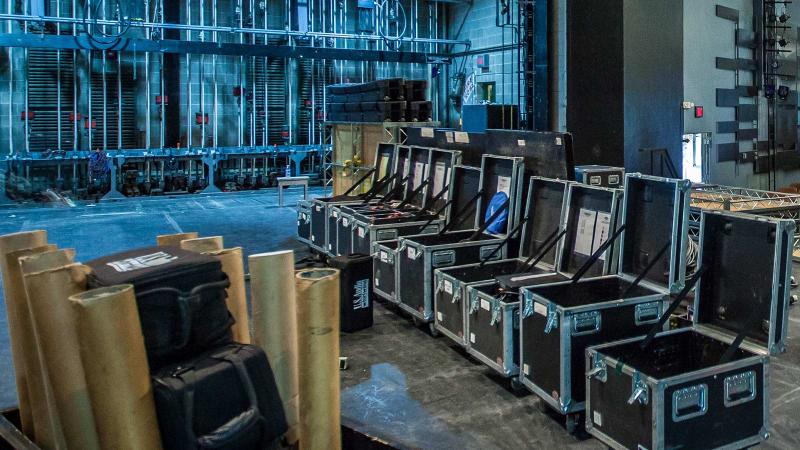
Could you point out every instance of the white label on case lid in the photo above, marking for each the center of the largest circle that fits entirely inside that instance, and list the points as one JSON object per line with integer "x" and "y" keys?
{"x": 412, "y": 253}
{"x": 426, "y": 132}
{"x": 384, "y": 256}
{"x": 597, "y": 418}
{"x": 472, "y": 337}
{"x": 558, "y": 141}
{"x": 485, "y": 305}
{"x": 539, "y": 308}
{"x": 345, "y": 222}
{"x": 526, "y": 369}
{"x": 461, "y": 137}
{"x": 438, "y": 316}
{"x": 521, "y": 142}
{"x": 449, "y": 136}
{"x": 362, "y": 232}
{"x": 448, "y": 286}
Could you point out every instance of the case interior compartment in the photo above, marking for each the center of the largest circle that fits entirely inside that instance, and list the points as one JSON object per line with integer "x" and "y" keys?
{"x": 591, "y": 291}
{"x": 466, "y": 184}
{"x": 587, "y": 204}
{"x": 440, "y": 174}
{"x": 673, "y": 354}
{"x": 418, "y": 165}
{"x": 498, "y": 174}
{"x": 545, "y": 216}
{"x": 449, "y": 238}
{"x": 475, "y": 272}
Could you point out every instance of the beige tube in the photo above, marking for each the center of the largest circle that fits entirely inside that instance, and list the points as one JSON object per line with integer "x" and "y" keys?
{"x": 204, "y": 244}
{"x": 10, "y": 243}
{"x": 318, "y": 358}
{"x": 233, "y": 266}
{"x": 55, "y": 325}
{"x": 272, "y": 295}
{"x": 117, "y": 374}
{"x": 47, "y": 260}
{"x": 174, "y": 239}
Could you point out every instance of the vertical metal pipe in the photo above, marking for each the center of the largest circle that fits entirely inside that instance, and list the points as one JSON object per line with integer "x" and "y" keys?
{"x": 266, "y": 81}
{"x": 147, "y": 79}
{"x": 253, "y": 72}
{"x": 215, "y": 37}
{"x": 162, "y": 87}
{"x": 58, "y": 84}
{"x": 119, "y": 98}
{"x": 241, "y": 77}
{"x": 75, "y": 121}
{"x": 189, "y": 78}
{"x": 27, "y": 85}
{"x": 202, "y": 77}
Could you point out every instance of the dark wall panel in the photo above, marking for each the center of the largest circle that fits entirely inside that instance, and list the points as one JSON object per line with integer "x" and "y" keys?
{"x": 653, "y": 80}
{"x": 595, "y": 80}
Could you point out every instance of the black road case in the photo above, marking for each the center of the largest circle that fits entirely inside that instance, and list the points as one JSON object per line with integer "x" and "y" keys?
{"x": 464, "y": 189}
{"x": 590, "y": 214}
{"x": 705, "y": 386}
{"x": 418, "y": 256}
{"x": 596, "y": 175}
{"x": 567, "y": 317}
{"x": 545, "y": 204}
{"x": 314, "y": 224}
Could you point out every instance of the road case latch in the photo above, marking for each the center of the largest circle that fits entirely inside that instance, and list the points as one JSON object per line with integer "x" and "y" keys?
{"x": 496, "y": 309}
{"x": 599, "y": 370}
{"x": 639, "y": 391}
{"x": 474, "y": 303}
{"x": 552, "y": 319}
{"x": 527, "y": 308}
{"x": 586, "y": 323}
{"x": 456, "y": 295}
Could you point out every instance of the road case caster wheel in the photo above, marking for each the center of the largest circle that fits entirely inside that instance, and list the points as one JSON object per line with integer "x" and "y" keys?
{"x": 517, "y": 386}
{"x": 572, "y": 423}
{"x": 542, "y": 406}
{"x": 432, "y": 329}
{"x": 793, "y": 299}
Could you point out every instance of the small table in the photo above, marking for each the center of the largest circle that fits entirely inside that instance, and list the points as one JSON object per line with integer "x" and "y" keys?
{"x": 291, "y": 181}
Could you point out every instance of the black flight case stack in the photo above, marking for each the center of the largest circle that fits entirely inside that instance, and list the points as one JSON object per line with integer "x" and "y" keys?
{"x": 705, "y": 386}
{"x": 422, "y": 206}
{"x": 545, "y": 204}
{"x": 418, "y": 256}
{"x": 312, "y": 215}
{"x": 462, "y": 204}
{"x": 493, "y": 311}
{"x": 569, "y": 316}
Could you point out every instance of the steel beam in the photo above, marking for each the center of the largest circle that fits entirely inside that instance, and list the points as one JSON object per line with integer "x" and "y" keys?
{"x": 209, "y": 48}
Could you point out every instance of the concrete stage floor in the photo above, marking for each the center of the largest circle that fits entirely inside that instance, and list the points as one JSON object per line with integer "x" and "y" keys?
{"x": 403, "y": 385}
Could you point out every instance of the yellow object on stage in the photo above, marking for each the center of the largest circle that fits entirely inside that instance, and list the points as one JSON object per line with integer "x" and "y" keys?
{"x": 174, "y": 239}
{"x": 233, "y": 266}
{"x": 204, "y": 244}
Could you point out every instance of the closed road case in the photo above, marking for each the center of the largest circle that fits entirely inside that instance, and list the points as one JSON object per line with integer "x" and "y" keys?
{"x": 465, "y": 187}
{"x": 418, "y": 256}
{"x": 705, "y": 386}
{"x": 304, "y": 221}
{"x": 590, "y": 214}
{"x": 596, "y": 175}
{"x": 545, "y": 201}
{"x": 567, "y": 317}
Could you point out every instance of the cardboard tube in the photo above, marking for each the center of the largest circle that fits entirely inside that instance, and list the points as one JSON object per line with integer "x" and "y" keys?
{"x": 10, "y": 243}
{"x": 54, "y": 320}
{"x": 233, "y": 266}
{"x": 318, "y": 358}
{"x": 272, "y": 295}
{"x": 202, "y": 245}
{"x": 47, "y": 260}
{"x": 44, "y": 429}
{"x": 174, "y": 239}
{"x": 117, "y": 374}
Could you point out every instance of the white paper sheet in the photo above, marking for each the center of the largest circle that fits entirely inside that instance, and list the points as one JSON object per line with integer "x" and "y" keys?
{"x": 419, "y": 174}
{"x": 426, "y": 132}
{"x": 504, "y": 185}
{"x": 439, "y": 172}
{"x": 584, "y": 234}
{"x": 601, "y": 232}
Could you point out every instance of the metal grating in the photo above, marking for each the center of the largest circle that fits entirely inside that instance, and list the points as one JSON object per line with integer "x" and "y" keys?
{"x": 44, "y": 78}
{"x": 109, "y": 121}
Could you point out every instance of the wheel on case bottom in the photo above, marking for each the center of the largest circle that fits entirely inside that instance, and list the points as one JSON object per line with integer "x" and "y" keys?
{"x": 572, "y": 423}
{"x": 432, "y": 329}
{"x": 517, "y": 386}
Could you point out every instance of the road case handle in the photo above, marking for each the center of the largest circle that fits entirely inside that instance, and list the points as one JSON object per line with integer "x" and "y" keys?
{"x": 586, "y": 323}
{"x": 740, "y": 388}
{"x": 646, "y": 313}
{"x": 442, "y": 258}
{"x": 689, "y": 402}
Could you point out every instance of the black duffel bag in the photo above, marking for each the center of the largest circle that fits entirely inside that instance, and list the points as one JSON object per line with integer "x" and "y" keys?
{"x": 180, "y": 296}
{"x": 225, "y": 399}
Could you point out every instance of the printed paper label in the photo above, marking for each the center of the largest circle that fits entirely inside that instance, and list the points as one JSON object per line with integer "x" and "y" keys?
{"x": 406, "y": 167}
{"x": 504, "y": 185}
{"x": 601, "y": 232}
{"x": 447, "y": 183}
{"x": 448, "y": 287}
{"x": 597, "y": 418}
{"x": 412, "y": 253}
{"x": 539, "y": 308}
{"x": 521, "y": 142}
{"x": 142, "y": 262}
{"x": 426, "y": 132}
{"x": 384, "y": 257}
{"x": 438, "y": 316}
{"x": 461, "y": 137}
{"x": 585, "y": 231}
{"x": 472, "y": 337}
{"x": 438, "y": 178}
{"x": 419, "y": 173}
{"x": 384, "y": 167}
{"x": 335, "y": 214}
{"x": 362, "y": 232}
{"x": 485, "y": 305}
{"x": 449, "y": 136}
{"x": 345, "y": 222}
{"x": 526, "y": 369}
{"x": 558, "y": 141}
